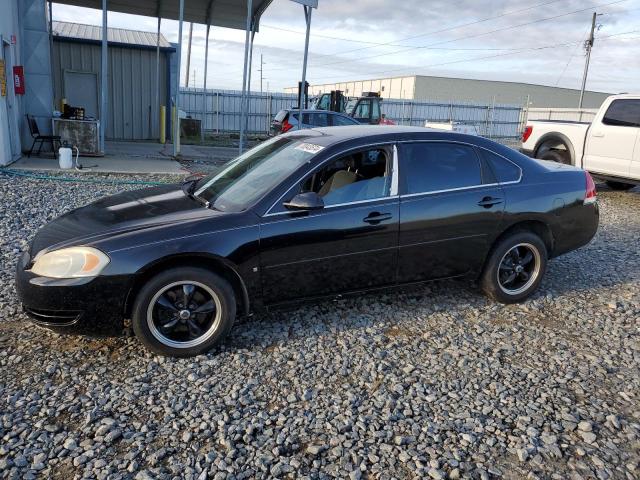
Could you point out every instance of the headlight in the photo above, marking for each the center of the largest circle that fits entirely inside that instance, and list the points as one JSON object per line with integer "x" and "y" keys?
{"x": 71, "y": 262}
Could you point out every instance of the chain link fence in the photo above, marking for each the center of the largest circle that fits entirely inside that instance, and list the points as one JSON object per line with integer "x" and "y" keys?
{"x": 221, "y": 111}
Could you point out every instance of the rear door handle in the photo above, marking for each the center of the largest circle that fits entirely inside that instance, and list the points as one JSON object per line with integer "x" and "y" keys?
{"x": 598, "y": 135}
{"x": 488, "y": 202}
{"x": 375, "y": 218}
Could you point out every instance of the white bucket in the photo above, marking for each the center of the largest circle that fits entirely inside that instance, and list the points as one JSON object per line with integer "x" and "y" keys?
{"x": 65, "y": 158}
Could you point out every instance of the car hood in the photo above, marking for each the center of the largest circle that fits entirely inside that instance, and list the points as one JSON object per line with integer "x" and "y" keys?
{"x": 121, "y": 213}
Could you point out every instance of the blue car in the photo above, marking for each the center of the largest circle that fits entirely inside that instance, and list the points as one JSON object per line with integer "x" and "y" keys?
{"x": 287, "y": 120}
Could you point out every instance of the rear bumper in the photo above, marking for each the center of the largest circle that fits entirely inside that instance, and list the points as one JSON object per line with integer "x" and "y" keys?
{"x": 577, "y": 228}
{"x": 86, "y": 306}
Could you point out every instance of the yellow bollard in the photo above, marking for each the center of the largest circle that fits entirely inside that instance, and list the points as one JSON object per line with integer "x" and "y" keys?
{"x": 173, "y": 123}
{"x": 163, "y": 127}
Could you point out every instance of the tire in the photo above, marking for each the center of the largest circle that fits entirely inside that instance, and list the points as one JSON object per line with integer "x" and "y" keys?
{"x": 556, "y": 156}
{"x": 165, "y": 325}
{"x": 500, "y": 266}
{"x": 619, "y": 185}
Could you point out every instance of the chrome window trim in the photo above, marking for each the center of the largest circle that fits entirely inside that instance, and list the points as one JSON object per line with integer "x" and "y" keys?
{"x": 332, "y": 157}
{"x": 328, "y": 207}
{"x": 457, "y": 189}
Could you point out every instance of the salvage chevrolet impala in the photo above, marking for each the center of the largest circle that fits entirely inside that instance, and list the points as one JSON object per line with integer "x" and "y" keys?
{"x": 312, "y": 213}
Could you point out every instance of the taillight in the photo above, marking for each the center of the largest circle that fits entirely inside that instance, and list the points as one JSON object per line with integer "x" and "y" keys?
{"x": 590, "y": 195}
{"x": 286, "y": 126}
{"x": 528, "y": 130}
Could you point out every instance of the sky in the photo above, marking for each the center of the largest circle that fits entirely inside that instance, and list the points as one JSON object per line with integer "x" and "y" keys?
{"x": 532, "y": 41}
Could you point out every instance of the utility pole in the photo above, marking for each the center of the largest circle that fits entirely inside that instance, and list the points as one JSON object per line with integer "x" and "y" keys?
{"x": 261, "y": 75}
{"x": 186, "y": 80}
{"x": 588, "y": 46}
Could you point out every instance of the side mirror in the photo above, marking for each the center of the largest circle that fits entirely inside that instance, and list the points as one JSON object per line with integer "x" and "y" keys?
{"x": 305, "y": 201}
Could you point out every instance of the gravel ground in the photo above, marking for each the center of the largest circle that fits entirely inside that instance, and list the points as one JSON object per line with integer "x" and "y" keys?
{"x": 436, "y": 382}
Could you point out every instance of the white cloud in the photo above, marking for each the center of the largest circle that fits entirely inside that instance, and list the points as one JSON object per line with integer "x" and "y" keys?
{"x": 615, "y": 64}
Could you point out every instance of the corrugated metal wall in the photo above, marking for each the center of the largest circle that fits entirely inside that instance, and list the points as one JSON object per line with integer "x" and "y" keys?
{"x": 133, "y": 114}
{"x": 502, "y": 123}
{"x": 445, "y": 89}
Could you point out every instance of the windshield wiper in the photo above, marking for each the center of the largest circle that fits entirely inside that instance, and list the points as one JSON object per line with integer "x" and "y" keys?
{"x": 189, "y": 187}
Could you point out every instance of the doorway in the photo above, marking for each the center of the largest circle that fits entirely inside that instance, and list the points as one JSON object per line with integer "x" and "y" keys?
{"x": 81, "y": 90}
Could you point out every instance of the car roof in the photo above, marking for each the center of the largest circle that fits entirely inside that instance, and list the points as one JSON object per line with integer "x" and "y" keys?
{"x": 327, "y": 136}
{"x": 313, "y": 110}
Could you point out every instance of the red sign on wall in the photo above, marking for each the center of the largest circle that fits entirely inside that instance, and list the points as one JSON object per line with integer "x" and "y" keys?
{"x": 18, "y": 79}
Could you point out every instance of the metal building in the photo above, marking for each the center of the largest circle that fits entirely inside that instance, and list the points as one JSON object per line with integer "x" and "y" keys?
{"x": 420, "y": 87}
{"x": 134, "y": 112}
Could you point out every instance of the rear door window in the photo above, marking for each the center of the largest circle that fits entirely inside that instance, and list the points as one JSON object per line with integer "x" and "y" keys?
{"x": 340, "y": 120}
{"x": 318, "y": 120}
{"x": 623, "y": 113}
{"x": 433, "y": 167}
{"x": 504, "y": 170}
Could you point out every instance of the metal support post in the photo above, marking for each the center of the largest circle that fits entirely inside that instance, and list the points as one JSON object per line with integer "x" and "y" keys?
{"x": 307, "y": 17}
{"x": 176, "y": 93}
{"x": 204, "y": 87}
{"x": 244, "y": 75}
{"x": 103, "y": 76}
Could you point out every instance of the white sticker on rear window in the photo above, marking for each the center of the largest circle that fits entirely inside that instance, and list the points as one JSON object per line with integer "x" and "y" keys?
{"x": 309, "y": 147}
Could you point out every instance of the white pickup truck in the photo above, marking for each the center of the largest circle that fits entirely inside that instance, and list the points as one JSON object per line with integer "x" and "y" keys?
{"x": 609, "y": 147}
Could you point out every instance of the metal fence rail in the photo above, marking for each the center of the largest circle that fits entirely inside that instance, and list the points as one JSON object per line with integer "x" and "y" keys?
{"x": 563, "y": 114}
{"x": 502, "y": 123}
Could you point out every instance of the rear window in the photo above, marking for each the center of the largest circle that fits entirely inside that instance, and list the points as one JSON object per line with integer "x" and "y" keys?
{"x": 316, "y": 119}
{"x": 432, "y": 167}
{"x": 280, "y": 116}
{"x": 503, "y": 169}
{"x": 340, "y": 120}
{"x": 623, "y": 113}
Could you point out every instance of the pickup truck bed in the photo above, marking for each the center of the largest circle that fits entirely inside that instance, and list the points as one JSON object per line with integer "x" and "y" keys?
{"x": 609, "y": 147}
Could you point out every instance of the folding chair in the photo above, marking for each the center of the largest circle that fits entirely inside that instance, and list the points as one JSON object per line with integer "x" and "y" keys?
{"x": 35, "y": 134}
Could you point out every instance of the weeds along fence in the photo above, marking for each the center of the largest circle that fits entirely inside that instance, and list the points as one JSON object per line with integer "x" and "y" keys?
{"x": 220, "y": 112}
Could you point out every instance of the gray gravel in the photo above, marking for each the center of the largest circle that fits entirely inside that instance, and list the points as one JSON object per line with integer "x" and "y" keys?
{"x": 436, "y": 382}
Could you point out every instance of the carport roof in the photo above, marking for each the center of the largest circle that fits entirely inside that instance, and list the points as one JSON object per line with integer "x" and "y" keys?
{"x": 220, "y": 13}
{"x": 93, "y": 33}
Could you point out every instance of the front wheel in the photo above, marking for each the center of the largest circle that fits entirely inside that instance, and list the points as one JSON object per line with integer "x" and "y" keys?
{"x": 515, "y": 268}
{"x": 619, "y": 185}
{"x": 183, "y": 312}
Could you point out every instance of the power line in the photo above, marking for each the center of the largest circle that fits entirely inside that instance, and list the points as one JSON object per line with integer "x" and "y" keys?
{"x": 476, "y": 35}
{"x": 375, "y": 44}
{"x": 455, "y": 27}
{"x": 571, "y": 58}
{"x": 545, "y": 47}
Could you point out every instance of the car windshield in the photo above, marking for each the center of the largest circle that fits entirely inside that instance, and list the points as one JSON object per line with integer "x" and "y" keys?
{"x": 249, "y": 177}
{"x": 351, "y": 104}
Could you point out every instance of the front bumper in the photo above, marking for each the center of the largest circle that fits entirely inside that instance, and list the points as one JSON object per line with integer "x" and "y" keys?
{"x": 85, "y": 306}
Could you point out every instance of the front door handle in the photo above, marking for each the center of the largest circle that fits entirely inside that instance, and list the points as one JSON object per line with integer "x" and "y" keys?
{"x": 375, "y": 218}
{"x": 488, "y": 202}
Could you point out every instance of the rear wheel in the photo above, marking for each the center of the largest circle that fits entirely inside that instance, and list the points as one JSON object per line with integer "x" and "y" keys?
{"x": 183, "y": 312}
{"x": 515, "y": 268}
{"x": 619, "y": 185}
{"x": 559, "y": 156}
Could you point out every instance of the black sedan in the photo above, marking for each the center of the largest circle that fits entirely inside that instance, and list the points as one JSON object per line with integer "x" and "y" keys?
{"x": 312, "y": 213}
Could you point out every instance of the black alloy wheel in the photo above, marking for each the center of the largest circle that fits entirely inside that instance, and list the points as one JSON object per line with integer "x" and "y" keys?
{"x": 184, "y": 311}
{"x": 519, "y": 268}
{"x": 515, "y": 267}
